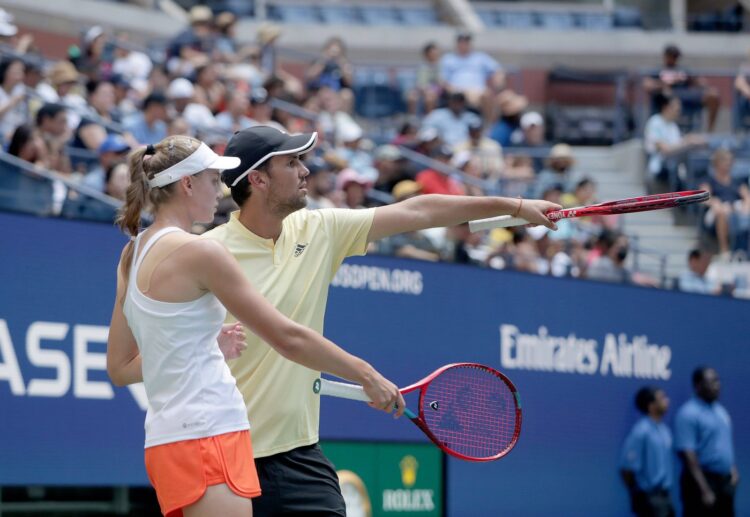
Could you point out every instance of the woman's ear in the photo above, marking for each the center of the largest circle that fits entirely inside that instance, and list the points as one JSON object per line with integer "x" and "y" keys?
{"x": 186, "y": 183}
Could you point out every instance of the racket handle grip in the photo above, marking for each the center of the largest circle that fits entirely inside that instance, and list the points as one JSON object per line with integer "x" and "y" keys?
{"x": 501, "y": 221}
{"x": 340, "y": 389}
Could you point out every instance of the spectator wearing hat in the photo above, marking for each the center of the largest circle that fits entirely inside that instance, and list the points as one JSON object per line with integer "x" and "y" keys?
{"x": 473, "y": 73}
{"x": 195, "y": 44}
{"x": 453, "y": 121}
{"x": 675, "y": 80}
{"x": 8, "y": 29}
{"x": 268, "y": 35}
{"x": 13, "y": 106}
{"x": 434, "y": 182}
{"x": 414, "y": 245}
{"x": 64, "y": 80}
{"x": 150, "y": 126}
{"x": 261, "y": 110}
{"x": 465, "y": 162}
{"x": 390, "y": 168}
{"x": 559, "y": 164}
{"x": 133, "y": 66}
{"x": 113, "y": 149}
{"x": 181, "y": 92}
{"x": 507, "y": 128}
{"x": 226, "y": 32}
{"x": 354, "y": 186}
{"x": 487, "y": 151}
{"x": 89, "y": 58}
{"x": 427, "y": 140}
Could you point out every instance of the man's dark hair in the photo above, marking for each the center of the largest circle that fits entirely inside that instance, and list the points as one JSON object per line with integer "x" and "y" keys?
{"x": 155, "y": 98}
{"x": 242, "y": 191}
{"x": 49, "y": 110}
{"x": 644, "y": 397}
{"x": 694, "y": 254}
{"x": 428, "y": 47}
{"x": 699, "y": 374}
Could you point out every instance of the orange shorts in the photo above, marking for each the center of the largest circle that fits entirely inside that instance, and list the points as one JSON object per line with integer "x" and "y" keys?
{"x": 181, "y": 471}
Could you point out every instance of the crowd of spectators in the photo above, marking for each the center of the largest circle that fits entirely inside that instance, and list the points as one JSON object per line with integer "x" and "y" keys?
{"x": 465, "y": 132}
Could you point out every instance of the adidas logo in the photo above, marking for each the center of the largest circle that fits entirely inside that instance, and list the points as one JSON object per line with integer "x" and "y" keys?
{"x": 298, "y": 249}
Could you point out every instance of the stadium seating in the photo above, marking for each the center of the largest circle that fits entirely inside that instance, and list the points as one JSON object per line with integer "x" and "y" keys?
{"x": 372, "y": 14}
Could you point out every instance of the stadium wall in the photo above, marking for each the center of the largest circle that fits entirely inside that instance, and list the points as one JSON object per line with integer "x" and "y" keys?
{"x": 64, "y": 423}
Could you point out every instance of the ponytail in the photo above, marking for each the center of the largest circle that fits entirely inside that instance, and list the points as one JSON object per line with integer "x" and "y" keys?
{"x": 129, "y": 216}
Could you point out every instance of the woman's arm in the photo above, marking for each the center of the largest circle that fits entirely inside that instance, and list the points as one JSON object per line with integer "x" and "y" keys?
{"x": 293, "y": 341}
{"x": 123, "y": 356}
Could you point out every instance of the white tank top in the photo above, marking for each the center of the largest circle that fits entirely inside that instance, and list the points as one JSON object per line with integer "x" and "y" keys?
{"x": 191, "y": 392}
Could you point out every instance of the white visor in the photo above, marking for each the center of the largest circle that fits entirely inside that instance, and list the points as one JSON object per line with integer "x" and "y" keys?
{"x": 203, "y": 158}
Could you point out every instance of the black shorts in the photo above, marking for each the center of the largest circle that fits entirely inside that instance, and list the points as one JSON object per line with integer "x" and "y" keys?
{"x": 298, "y": 482}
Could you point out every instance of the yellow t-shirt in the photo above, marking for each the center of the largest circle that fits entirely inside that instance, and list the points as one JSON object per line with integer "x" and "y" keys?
{"x": 293, "y": 274}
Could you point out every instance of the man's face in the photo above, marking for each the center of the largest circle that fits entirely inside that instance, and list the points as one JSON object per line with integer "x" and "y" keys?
{"x": 710, "y": 387}
{"x": 700, "y": 264}
{"x": 56, "y": 125}
{"x": 661, "y": 403}
{"x": 287, "y": 185}
{"x": 463, "y": 46}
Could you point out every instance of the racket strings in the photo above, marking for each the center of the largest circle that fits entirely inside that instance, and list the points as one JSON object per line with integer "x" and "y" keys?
{"x": 471, "y": 411}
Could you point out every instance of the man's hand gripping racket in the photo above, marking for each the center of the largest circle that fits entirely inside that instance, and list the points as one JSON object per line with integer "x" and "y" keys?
{"x": 469, "y": 410}
{"x": 620, "y": 206}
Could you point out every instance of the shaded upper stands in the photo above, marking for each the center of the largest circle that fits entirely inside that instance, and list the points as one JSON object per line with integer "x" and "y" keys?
{"x": 568, "y": 18}
{"x": 373, "y": 14}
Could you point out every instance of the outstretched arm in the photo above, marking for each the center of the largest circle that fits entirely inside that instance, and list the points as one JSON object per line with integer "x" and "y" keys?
{"x": 434, "y": 210}
{"x": 293, "y": 341}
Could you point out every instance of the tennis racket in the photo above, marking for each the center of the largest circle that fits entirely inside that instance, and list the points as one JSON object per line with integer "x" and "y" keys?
{"x": 621, "y": 206}
{"x": 470, "y": 411}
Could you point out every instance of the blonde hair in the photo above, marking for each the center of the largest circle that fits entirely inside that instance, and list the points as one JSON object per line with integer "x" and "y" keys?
{"x": 144, "y": 164}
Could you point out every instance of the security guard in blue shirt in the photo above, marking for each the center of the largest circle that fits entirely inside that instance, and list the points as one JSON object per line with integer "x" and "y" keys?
{"x": 646, "y": 463}
{"x": 703, "y": 439}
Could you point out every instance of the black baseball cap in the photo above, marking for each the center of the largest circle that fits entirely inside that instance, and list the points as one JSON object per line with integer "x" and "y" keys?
{"x": 258, "y": 144}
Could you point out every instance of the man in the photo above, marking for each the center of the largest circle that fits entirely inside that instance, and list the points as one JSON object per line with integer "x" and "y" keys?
{"x": 673, "y": 79}
{"x": 646, "y": 463}
{"x": 453, "y": 121}
{"x": 663, "y": 140}
{"x": 473, "y": 73}
{"x": 694, "y": 280}
{"x": 150, "y": 126}
{"x": 114, "y": 149}
{"x": 703, "y": 439}
{"x": 291, "y": 255}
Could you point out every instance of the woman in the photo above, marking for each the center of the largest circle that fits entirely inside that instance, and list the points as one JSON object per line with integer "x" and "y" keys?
{"x": 13, "y": 108}
{"x": 171, "y": 293}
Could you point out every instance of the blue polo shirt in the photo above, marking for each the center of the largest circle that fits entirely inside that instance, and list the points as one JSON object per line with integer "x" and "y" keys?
{"x": 706, "y": 429}
{"x": 647, "y": 452}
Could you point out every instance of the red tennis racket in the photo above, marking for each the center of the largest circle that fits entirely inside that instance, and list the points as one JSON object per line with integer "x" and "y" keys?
{"x": 470, "y": 411}
{"x": 621, "y": 206}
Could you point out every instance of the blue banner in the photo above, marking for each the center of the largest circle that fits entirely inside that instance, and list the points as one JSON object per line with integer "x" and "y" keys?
{"x": 577, "y": 351}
